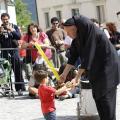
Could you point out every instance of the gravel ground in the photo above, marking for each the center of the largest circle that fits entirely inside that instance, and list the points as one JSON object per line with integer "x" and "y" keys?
{"x": 24, "y": 108}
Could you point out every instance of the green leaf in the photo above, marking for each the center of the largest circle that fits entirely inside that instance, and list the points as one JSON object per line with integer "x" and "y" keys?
{"x": 22, "y": 14}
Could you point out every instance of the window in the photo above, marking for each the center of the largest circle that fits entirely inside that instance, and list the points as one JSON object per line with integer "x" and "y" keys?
{"x": 10, "y": 2}
{"x": 59, "y": 16}
{"x": 75, "y": 12}
{"x": 100, "y": 13}
{"x": 47, "y": 19}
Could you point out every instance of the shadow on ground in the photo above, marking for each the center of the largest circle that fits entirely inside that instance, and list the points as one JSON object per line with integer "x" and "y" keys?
{"x": 16, "y": 97}
{"x": 61, "y": 118}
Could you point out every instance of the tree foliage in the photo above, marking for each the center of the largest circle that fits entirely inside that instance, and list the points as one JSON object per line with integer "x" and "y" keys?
{"x": 23, "y": 16}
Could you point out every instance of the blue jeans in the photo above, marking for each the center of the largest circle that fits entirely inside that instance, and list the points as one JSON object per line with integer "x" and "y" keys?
{"x": 50, "y": 115}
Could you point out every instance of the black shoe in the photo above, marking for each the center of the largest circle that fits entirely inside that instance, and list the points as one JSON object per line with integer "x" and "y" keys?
{"x": 20, "y": 93}
{"x": 74, "y": 96}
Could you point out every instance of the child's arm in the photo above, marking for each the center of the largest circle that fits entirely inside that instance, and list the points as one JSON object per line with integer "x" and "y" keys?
{"x": 33, "y": 90}
{"x": 61, "y": 90}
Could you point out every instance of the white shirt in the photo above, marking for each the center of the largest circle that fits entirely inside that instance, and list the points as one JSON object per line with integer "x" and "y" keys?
{"x": 68, "y": 40}
{"x": 39, "y": 60}
{"x": 107, "y": 33}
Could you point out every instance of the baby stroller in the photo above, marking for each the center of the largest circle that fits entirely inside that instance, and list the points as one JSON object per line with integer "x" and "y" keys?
{"x": 5, "y": 78}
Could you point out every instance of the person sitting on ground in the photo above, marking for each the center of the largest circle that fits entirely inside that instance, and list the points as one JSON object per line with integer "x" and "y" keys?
{"x": 74, "y": 86}
{"x": 32, "y": 84}
{"x": 47, "y": 94}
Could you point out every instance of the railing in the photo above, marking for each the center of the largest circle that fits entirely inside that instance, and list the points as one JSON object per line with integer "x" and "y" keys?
{"x": 16, "y": 65}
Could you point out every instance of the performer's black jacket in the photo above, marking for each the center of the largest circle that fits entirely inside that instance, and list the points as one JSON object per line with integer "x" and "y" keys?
{"x": 98, "y": 56}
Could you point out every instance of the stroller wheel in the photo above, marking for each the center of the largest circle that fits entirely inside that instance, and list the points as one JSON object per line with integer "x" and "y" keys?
{"x": 3, "y": 94}
{"x": 6, "y": 89}
{"x": 11, "y": 94}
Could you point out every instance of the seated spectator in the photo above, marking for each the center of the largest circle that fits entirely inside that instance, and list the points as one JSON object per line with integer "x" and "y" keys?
{"x": 39, "y": 64}
{"x": 74, "y": 86}
{"x": 33, "y": 85}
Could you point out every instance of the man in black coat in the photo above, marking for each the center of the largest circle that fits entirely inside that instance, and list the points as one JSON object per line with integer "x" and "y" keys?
{"x": 99, "y": 58}
{"x": 9, "y": 36}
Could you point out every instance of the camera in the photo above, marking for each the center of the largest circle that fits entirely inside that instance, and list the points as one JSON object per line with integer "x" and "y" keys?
{"x": 4, "y": 31}
{"x": 5, "y": 26}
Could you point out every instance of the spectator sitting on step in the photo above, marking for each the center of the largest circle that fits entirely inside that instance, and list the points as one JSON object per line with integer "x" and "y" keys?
{"x": 74, "y": 86}
{"x": 32, "y": 85}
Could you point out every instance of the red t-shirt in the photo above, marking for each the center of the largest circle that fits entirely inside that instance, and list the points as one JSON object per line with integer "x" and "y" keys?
{"x": 47, "y": 97}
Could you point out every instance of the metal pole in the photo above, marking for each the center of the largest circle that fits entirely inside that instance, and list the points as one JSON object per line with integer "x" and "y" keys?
{"x": 37, "y": 11}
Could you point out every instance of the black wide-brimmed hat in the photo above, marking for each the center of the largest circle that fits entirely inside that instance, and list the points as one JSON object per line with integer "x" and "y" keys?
{"x": 69, "y": 22}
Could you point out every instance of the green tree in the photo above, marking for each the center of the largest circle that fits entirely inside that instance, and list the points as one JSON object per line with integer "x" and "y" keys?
{"x": 22, "y": 14}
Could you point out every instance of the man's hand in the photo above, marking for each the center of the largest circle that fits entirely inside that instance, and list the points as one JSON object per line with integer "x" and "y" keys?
{"x": 62, "y": 78}
{"x": 65, "y": 73}
{"x": 1, "y": 29}
{"x": 10, "y": 28}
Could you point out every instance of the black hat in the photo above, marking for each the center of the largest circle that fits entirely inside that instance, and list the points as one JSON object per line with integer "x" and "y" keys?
{"x": 69, "y": 22}
{"x": 118, "y": 13}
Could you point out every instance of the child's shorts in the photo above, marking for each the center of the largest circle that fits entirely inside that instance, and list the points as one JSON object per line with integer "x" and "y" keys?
{"x": 50, "y": 116}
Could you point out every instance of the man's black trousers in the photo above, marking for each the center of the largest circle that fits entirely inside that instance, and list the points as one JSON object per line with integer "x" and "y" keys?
{"x": 106, "y": 105}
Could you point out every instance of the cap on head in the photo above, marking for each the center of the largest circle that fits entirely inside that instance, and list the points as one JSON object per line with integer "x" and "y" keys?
{"x": 69, "y": 22}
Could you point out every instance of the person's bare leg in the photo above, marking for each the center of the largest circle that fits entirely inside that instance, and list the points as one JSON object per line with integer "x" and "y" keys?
{"x": 33, "y": 90}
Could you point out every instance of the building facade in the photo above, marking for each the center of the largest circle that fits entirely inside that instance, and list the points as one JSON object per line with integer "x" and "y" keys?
{"x": 103, "y": 10}
{"x": 32, "y": 8}
{"x": 9, "y": 7}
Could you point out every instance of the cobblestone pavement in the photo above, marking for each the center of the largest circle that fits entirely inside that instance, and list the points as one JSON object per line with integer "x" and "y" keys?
{"x": 118, "y": 104}
{"x": 24, "y": 108}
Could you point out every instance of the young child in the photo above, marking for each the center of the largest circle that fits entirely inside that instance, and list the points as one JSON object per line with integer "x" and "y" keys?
{"x": 47, "y": 94}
